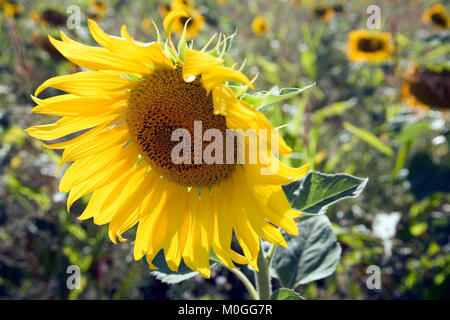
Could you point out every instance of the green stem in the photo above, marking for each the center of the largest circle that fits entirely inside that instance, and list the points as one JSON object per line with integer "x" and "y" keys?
{"x": 263, "y": 283}
{"x": 250, "y": 288}
{"x": 271, "y": 253}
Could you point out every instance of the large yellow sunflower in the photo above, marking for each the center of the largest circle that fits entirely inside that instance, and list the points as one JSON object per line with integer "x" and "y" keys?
{"x": 128, "y": 106}
{"x": 438, "y": 15}
{"x": 369, "y": 46}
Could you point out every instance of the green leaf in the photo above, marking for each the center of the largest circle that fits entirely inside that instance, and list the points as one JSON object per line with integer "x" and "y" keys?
{"x": 418, "y": 228}
{"x": 370, "y": 138}
{"x": 314, "y": 193}
{"x": 311, "y": 256}
{"x": 263, "y": 99}
{"x": 285, "y": 294}
{"x": 164, "y": 274}
{"x": 333, "y": 109}
{"x": 413, "y": 131}
{"x": 182, "y": 45}
{"x": 238, "y": 90}
{"x": 223, "y": 46}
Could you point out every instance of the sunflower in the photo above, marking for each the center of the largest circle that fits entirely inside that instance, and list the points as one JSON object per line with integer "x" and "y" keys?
{"x": 325, "y": 14}
{"x": 164, "y": 9}
{"x": 126, "y": 109}
{"x": 11, "y": 8}
{"x": 426, "y": 89}
{"x": 97, "y": 8}
{"x": 182, "y": 4}
{"x": 51, "y": 18}
{"x": 438, "y": 15}
{"x": 369, "y": 46}
{"x": 147, "y": 24}
{"x": 192, "y": 20}
{"x": 260, "y": 25}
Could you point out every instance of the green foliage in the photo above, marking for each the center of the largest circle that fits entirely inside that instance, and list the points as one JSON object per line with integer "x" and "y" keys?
{"x": 166, "y": 275}
{"x": 310, "y": 256}
{"x": 276, "y": 95}
{"x": 285, "y": 294}
{"x": 314, "y": 193}
{"x": 370, "y": 138}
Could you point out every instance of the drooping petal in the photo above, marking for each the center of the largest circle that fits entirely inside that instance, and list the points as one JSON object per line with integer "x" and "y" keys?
{"x": 197, "y": 62}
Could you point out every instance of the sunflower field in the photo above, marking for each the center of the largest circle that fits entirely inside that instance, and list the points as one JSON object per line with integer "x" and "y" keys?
{"x": 356, "y": 95}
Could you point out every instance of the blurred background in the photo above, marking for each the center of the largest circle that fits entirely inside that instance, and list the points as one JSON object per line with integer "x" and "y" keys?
{"x": 379, "y": 109}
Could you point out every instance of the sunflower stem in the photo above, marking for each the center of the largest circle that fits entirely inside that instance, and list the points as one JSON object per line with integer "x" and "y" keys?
{"x": 263, "y": 283}
{"x": 247, "y": 283}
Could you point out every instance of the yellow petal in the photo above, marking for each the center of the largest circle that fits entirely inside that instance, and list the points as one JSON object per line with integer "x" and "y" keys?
{"x": 66, "y": 126}
{"x": 86, "y": 83}
{"x": 124, "y": 162}
{"x": 75, "y": 106}
{"x": 96, "y": 58}
{"x": 197, "y": 62}
{"x": 116, "y": 137}
{"x": 177, "y": 230}
{"x": 219, "y": 74}
{"x": 147, "y": 53}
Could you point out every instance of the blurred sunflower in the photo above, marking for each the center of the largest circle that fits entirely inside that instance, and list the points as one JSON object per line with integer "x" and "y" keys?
{"x": 438, "y": 15}
{"x": 11, "y": 8}
{"x": 97, "y": 9}
{"x": 369, "y": 46}
{"x": 48, "y": 18}
{"x": 147, "y": 24}
{"x": 182, "y": 4}
{"x": 260, "y": 25}
{"x": 325, "y": 14}
{"x": 192, "y": 20}
{"x": 164, "y": 9}
{"x": 427, "y": 88}
{"x": 338, "y": 8}
{"x": 127, "y": 109}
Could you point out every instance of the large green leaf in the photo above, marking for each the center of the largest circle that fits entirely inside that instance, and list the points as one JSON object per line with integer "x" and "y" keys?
{"x": 312, "y": 255}
{"x": 264, "y": 99}
{"x": 317, "y": 191}
{"x": 285, "y": 294}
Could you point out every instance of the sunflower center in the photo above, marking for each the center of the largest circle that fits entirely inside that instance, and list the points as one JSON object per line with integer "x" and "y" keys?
{"x": 320, "y": 12}
{"x": 163, "y": 102}
{"x": 370, "y": 45}
{"x": 185, "y": 20}
{"x": 431, "y": 88}
{"x": 438, "y": 19}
